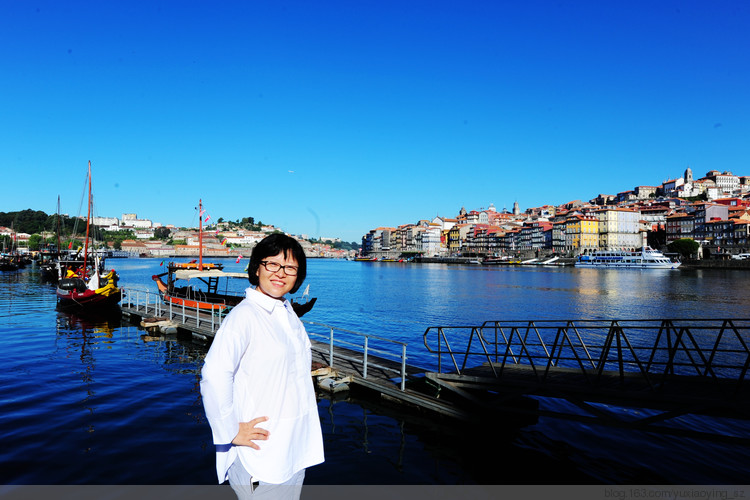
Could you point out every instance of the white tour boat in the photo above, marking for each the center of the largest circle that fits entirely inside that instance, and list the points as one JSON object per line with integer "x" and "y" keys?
{"x": 645, "y": 258}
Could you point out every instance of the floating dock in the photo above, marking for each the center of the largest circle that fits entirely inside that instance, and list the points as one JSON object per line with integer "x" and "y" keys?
{"x": 669, "y": 367}
{"x": 356, "y": 360}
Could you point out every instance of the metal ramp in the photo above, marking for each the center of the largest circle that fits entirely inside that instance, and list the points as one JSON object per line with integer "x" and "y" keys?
{"x": 669, "y": 367}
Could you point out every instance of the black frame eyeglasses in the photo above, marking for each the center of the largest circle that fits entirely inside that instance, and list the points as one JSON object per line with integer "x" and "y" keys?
{"x": 275, "y": 267}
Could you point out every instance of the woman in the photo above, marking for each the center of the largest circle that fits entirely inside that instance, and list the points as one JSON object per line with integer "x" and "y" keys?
{"x": 256, "y": 384}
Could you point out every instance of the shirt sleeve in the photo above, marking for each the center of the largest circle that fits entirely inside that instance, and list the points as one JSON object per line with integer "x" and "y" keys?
{"x": 217, "y": 376}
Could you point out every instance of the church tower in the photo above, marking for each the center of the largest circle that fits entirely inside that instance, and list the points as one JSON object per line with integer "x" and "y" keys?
{"x": 688, "y": 176}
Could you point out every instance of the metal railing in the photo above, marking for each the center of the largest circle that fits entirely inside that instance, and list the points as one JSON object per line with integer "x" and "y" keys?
{"x": 350, "y": 342}
{"x": 342, "y": 344}
{"x": 152, "y": 302}
{"x": 713, "y": 349}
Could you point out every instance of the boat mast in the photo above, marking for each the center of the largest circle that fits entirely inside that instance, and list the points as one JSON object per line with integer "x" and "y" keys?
{"x": 200, "y": 235}
{"x": 58, "y": 227}
{"x": 88, "y": 221}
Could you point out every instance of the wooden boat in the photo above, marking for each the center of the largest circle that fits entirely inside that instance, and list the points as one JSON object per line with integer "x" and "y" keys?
{"x": 88, "y": 289}
{"x": 8, "y": 263}
{"x": 50, "y": 259}
{"x": 207, "y": 297}
{"x": 210, "y": 277}
{"x": 12, "y": 260}
{"x": 90, "y": 295}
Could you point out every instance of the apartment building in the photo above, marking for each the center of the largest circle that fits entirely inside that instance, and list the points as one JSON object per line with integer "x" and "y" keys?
{"x": 742, "y": 235}
{"x": 457, "y": 236}
{"x": 581, "y": 233}
{"x": 619, "y": 228}
{"x": 475, "y": 242}
{"x": 431, "y": 239}
{"x": 558, "y": 237}
{"x": 703, "y": 213}
{"x": 726, "y": 182}
{"x": 679, "y": 226}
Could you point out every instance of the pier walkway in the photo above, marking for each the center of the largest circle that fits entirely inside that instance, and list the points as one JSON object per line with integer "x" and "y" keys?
{"x": 356, "y": 360}
{"x": 594, "y": 370}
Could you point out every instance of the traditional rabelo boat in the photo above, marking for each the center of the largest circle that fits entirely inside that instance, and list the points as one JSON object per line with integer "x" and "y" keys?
{"x": 87, "y": 288}
{"x": 213, "y": 283}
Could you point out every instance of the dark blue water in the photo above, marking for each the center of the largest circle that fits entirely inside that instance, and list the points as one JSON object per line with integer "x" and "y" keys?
{"x": 92, "y": 401}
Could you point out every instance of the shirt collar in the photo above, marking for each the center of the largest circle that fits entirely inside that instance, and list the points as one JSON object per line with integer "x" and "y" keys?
{"x": 263, "y": 300}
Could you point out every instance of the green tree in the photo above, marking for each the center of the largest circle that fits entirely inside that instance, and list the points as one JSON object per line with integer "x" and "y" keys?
{"x": 162, "y": 233}
{"x": 656, "y": 239}
{"x": 35, "y": 241}
{"x": 684, "y": 246}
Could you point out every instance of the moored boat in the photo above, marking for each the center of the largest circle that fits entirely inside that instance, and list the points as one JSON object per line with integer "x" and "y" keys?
{"x": 645, "y": 258}
{"x": 87, "y": 288}
{"x": 8, "y": 263}
{"x": 90, "y": 293}
{"x": 210, "y": 277}
{"x": 205, "y": 297}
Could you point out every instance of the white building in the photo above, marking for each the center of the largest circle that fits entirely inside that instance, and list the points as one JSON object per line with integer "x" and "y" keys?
{"x": 105, "y": 221}
{"x": 445, "y": 223}
{"x": 619, "y": 229}
{"x": 672, "y": 185}
{"x": 431, "y": 240}
{"x": 143, "y": 234}
{"x": 727, "y": 182}
{"x": 132, "y": 220}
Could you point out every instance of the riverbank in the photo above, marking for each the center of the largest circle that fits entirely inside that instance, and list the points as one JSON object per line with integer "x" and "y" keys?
{"x": 494, "y": 262}
{"x": 570, "y": 261}
{"x": 715, "y": 264}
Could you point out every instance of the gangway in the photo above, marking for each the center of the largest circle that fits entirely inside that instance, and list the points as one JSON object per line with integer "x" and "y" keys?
{"x": 669, "y": 367}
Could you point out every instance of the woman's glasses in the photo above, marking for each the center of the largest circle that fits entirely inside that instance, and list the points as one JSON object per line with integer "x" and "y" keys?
{"x": 273, "y": 267}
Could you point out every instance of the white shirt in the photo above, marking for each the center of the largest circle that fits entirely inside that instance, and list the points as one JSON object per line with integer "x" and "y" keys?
{"x": 259, "y": 365}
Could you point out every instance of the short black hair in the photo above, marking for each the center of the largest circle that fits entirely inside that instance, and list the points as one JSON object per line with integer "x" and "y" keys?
{"x": 272, "y": 245}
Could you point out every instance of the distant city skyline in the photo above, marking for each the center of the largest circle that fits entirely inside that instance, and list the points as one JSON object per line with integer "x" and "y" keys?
{"x": 213, "y": 220}
{"x": 332, "y": 117}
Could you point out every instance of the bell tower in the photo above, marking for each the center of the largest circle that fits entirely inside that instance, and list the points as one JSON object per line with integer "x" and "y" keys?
{"x": 688, "y": 176}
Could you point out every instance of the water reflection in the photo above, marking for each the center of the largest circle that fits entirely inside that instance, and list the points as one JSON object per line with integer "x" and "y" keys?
{"x": 82, "y": 335}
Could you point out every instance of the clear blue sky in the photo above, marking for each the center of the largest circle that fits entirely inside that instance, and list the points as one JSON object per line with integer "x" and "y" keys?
{"x": 331, "y": 118}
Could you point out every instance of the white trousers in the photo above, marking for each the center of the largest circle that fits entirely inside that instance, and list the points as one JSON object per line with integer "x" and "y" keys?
{"x": 243, "y": 485}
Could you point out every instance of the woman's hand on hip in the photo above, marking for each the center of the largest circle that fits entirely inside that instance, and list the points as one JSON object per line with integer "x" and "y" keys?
{"x": 248, "y": 433}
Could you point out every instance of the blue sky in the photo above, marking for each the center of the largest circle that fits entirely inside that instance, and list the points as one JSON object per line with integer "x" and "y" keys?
{"x": 330, "y": 118}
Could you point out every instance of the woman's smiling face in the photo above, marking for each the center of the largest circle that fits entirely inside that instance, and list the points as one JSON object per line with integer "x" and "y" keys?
{"x": 279, "y": 283}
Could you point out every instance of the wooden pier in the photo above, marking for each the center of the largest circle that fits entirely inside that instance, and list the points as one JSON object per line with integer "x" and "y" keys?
{"x": 499, "y": 368}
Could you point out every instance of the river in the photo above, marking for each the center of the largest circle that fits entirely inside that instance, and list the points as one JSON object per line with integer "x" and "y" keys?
{"x": 97, "y": 402}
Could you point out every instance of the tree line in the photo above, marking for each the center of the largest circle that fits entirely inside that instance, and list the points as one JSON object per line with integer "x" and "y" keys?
{"x": 35, "y": 221}
{"x": 72, "y": 229}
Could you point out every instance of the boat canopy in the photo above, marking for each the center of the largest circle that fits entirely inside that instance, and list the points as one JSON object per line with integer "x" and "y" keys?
{"x": 186, "y": 274}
